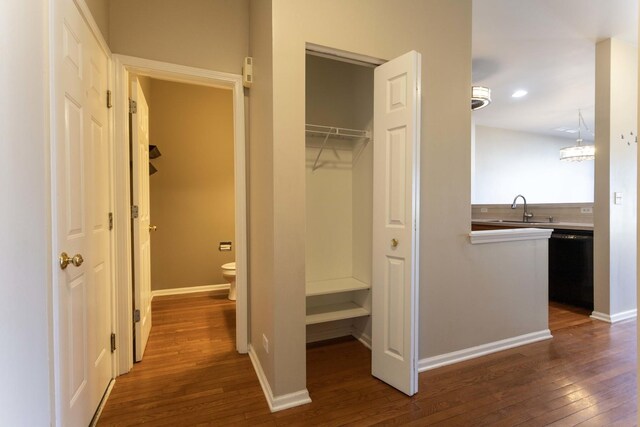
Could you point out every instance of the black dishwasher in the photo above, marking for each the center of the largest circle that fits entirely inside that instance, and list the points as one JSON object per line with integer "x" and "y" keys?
{"x": 571, "y": 267}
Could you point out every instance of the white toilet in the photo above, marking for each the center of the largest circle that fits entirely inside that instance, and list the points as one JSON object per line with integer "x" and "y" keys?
{"x": 229, "y": 274}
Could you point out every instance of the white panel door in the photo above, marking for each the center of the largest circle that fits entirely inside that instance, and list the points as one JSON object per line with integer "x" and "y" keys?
{"x": 395, "y": 216}
{"x": 81, "y": 203}
{"x": 141, "y": 224}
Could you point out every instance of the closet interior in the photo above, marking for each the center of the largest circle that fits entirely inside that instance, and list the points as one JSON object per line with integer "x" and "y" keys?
{"x": 339, "y": 193}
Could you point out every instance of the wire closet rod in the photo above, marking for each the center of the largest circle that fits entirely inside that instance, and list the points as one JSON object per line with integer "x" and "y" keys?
{"x": 337, "y": 131}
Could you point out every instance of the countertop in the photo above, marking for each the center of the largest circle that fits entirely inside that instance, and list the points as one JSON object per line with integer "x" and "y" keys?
{"x": 555, "y": 225}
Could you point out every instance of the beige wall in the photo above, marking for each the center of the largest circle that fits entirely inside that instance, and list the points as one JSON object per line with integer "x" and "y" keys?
{"x": 615, "y": 169}
{"x": 509, "y": 162}
{"x": 192, "y": 194}
{"x": 210, "y": 34}
{"x": 384, "y": 30}
{"x": 260, "y": 203}
{"x": 457, "y": 309}
{"x": 466, "y": 292}
{"x": 100, "y": 12}
{"x": 26, "y": 319}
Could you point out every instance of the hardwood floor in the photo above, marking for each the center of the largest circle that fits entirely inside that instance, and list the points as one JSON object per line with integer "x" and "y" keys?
{"x": 191, "y": 375}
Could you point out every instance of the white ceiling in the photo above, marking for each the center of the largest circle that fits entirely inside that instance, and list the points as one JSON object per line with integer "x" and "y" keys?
{"x": 546, "y": 47}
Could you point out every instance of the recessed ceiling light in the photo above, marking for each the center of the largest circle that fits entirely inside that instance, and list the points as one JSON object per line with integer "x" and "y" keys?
{"x": 519, "y": 93}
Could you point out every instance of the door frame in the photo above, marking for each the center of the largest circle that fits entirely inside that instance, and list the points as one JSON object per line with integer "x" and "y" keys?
{"x": 123, "y": 65}
{"x": 373, "y": 62}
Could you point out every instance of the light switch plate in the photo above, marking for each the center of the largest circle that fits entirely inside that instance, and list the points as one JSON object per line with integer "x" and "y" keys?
{"x": 484, "y": 210}
{"x": 586, "y": 210}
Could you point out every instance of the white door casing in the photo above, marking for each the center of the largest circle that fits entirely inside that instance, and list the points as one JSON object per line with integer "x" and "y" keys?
{"x": 395, "y": 220}
{"x": 80, "y": 210}
{"x": 124, "y": 65}
{"x": 141, "y": 235}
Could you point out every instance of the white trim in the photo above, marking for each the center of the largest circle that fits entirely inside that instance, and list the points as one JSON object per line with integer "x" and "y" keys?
{"x": 508, "y": 235}
{"x": 415, "y": 250}
{"x": 178, "y": 73}
{"x": 328, "y": 331}
{"x": 103, "y": 402}
{"x": 53, "y": 282}
{"x": 281, "y": 402}
{"x": 362, "y": 337}
{"x": 189, "y": 290}
{"x": 93, "y": 26}
{"x": 615, "y": 318}
{"x": 482, "y": 350}
{"x": 600, "y": 316}
{"x": 113, "y": 289}
{"x": 343, "y": 55}
{"x": 181, "y": 73}
{"x": 241, "y": 194}
{"x": 122, "y": 223}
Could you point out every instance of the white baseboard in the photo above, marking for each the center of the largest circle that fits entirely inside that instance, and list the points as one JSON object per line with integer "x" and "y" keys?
{"x": 481, "y": 350}
{"x": 277, "y": 403}
{"x": 103, "y": 402}
{"x": 614, "y": 318}
{"x": 362, "y": 337}
{"x": 328, "y": 331}
{"x": 189, "y": 290}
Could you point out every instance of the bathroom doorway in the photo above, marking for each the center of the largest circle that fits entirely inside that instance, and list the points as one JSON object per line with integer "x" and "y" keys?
{"x": 196, "y": 190}
{"x": 190, "y": 178}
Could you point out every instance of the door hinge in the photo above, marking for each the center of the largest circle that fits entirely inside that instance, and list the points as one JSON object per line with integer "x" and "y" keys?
{"x": 136, "y": 316}
{"x": 134, "y": 211}
{"x": 113, "y": 343}
{"x": 110, "y": 221}
{"x": 133, "y": 107}
{"x": 109, "y": 104}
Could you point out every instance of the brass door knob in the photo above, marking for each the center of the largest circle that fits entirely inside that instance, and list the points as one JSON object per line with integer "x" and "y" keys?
{"x": 394, "y": 243}
{"x": 65, "y": 260}
{"x": 153, "y": 227}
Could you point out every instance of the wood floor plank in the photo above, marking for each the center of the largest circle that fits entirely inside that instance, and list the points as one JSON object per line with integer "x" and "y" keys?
{"x": 191, "y": 375}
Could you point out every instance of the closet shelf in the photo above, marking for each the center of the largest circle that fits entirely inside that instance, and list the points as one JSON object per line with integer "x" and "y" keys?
{"x": 337, "y": 132}
{"x": 334, "y": 286}
{"x": 331, "y": 312}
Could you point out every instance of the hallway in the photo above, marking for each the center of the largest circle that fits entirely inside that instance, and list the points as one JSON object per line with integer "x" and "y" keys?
{"x": 191, "y": 375}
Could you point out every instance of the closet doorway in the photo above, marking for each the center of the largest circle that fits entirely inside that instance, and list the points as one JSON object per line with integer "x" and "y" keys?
{"x": 362, "y": 185}
{"x": 128, "y": 290}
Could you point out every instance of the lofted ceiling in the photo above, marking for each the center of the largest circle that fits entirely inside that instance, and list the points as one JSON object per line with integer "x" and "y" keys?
{"x": 546, "y": 47}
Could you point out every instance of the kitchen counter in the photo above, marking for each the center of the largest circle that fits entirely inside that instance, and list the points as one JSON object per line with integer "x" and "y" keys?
{"x": 498, "y": 223}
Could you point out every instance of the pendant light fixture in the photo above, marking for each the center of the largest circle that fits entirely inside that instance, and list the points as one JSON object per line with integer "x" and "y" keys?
{"x": 578, "y": 152}
{"x": 480, "y": 97}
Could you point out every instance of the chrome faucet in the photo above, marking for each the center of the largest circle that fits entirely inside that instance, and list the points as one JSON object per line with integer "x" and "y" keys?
{"x": 526, "y": 215}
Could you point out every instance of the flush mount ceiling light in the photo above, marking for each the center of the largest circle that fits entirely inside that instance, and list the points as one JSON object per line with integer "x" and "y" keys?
{"x": 480, "y": 97}
{"x": 578, "y": 152}
{"x": 519, "y": 93}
